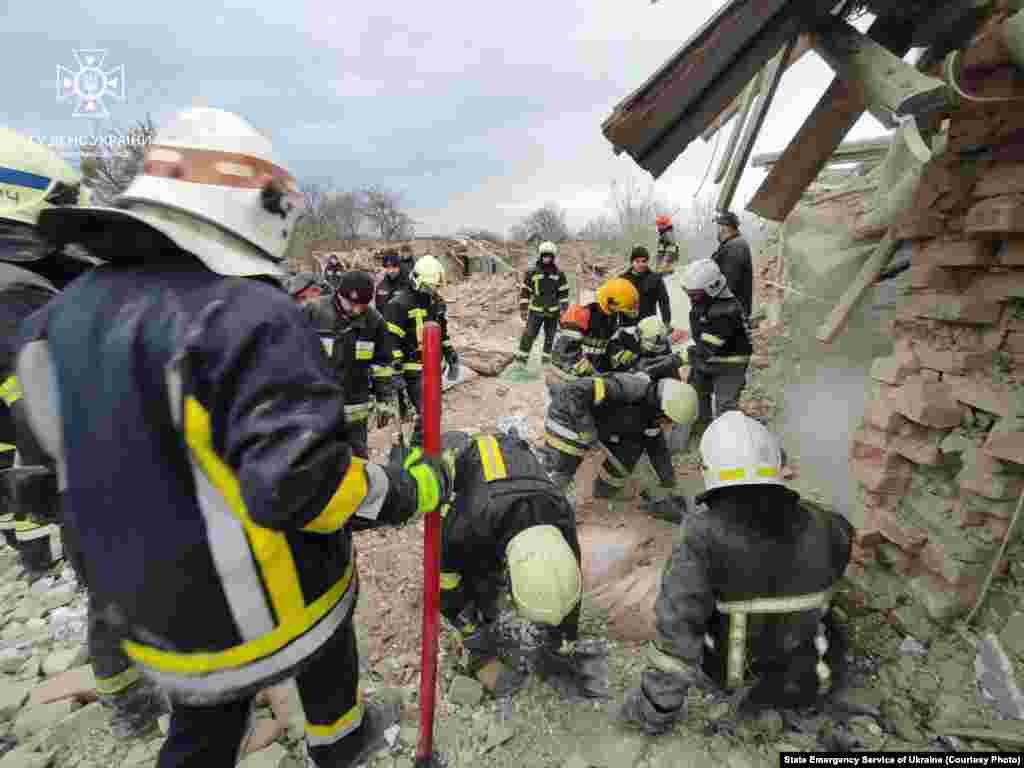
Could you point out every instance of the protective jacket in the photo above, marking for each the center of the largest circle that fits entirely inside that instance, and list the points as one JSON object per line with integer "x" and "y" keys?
{"x": 653, "y": 294}
{"x": 719, "y": 332}
{"x": 598, "y": 348}
{"x": 387, "y": 288}
{"x": 752, "y": 568}
{"x": 615, "y": 404}
{"x": 544, "y": 290}
{"x": 733, "y": 258}
{"x": 361, "y": 356}
{"x": 405, "y": 315}
{"x": 667, "y": 254}
{"x": 211, "y": 407}
{"x": 501, "y": 489}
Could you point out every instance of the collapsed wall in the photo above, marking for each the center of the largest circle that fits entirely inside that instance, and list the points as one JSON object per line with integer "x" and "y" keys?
{"x": 939, "y": 455}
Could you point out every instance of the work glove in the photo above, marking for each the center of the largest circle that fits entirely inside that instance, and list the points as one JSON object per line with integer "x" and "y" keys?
{"x": 583, "y": 368}
{"x": 454, "y": 367}
{"x": 435, "y": 479}
{"x": 580, "y": 673}
{"x": 636, "y": 711}
{"x": 386, "y": 411}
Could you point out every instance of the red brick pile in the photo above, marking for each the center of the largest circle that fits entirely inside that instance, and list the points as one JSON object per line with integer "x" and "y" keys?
{"x": 940, "y": 453}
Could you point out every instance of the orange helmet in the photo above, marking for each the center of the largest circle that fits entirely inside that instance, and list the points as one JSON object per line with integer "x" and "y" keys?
{"x": 576, "y": 317}
{"x": 663, "y": 223}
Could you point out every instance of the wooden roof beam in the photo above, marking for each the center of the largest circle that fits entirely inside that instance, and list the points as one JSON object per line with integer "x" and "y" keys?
{"x": 822, "y": 132}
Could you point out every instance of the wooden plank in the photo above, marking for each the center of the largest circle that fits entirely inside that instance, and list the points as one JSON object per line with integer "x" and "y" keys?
{"x": 753, "y": 89}
{"x": 803, "y": 45}
{"x": 772, "y": 76}
{"x": 868, "y": 275}
{"x": 822, "y": 132}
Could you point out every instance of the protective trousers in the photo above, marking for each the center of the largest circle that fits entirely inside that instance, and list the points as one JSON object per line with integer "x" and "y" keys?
{"x": 414, "y": 391}
{"x": 200, "y": 737}
{"x": 621, "y": 456}
{"x": 534, "y": 322}
{"x": 358, "y": 438}
{"x": 723, "y": 380}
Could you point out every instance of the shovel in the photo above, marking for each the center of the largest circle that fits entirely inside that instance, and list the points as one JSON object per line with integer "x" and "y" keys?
{"x": 431, "y": 399}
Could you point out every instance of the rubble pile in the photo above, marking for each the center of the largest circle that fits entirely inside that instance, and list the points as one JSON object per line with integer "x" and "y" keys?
{"x": 476, "y": 306}
{"x": 940, "y": 452}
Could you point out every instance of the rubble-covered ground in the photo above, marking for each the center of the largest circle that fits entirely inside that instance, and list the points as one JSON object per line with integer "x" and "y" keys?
{"x": 916, "y": 684}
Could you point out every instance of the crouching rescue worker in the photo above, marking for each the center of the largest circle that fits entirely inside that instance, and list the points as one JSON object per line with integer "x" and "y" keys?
{"x": 744, "y": 598}
{"x": 361, "y": 355}
{"x": 213, "y": 409}
{"x": 510, "y": 567}
{"x": 543, "y": 296}
{"x": 584, "y": 344}
{"x": 624, "y": 414}
{"x": 405, "y": 315}
{"x": 720, "y": 351}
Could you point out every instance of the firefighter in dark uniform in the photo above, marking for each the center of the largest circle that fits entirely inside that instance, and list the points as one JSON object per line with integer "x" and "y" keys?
{"x": 406, "y": 262}
{"x": 543, "y": 297}
{"x": 667, "y": 256}
{"x": 509, "y": 554}
{"x": 393, "y": 281}
{"x": 733, "y": 258}
{"x": 623, "y": 413}
{"x": 745, "y": 597}
{"x": 362, "y": 357}
{"x": 405, "y": 315}
{"x": 720, "y": 352}
{"x": 588, "y": 341}
{"x": 213, "y": 409}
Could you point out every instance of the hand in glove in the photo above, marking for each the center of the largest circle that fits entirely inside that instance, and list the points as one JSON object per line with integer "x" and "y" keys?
{"x": 386, "y": 411}
{"x": 435, "y": 479}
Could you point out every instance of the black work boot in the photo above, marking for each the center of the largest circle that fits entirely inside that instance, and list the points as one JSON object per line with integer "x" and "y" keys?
{"x": 355, "y": 748}
{"x": 134, "y": 710}
{"x": 672, "y": 509}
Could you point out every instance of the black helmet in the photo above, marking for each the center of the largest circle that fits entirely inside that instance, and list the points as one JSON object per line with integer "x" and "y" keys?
{"x": 357, "y": 287}
{"x": 728, "y": 218}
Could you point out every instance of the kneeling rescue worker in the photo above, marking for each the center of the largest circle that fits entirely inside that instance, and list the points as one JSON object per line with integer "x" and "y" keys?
{"x": 745, "y": 596}
{"x": 543, "y": 296}
{"x": 510, "y": 563}
{"x": 624, "y": 414}
{"x": 212, "y": 405}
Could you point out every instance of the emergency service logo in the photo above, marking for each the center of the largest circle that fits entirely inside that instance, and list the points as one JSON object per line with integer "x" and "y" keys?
{"x": 91, "y": 84}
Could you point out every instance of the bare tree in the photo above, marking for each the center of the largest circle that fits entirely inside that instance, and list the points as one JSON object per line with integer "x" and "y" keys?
{"x": 348, "y": 213}
{"x": 476, "y": 233}
{"x": 547, "y": 223}
{"x": 603, "y": 229}
{"x": 109, "y": 166}
{"x": 383, "y": 207}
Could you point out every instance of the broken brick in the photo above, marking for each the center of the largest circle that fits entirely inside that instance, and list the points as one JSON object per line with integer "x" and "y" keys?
{"x": 930, "y": 403}
{"x": 1001, "y": 179}
{"x": 975, "y": 509}
{"x": 78, "y": 683}
{"x": 959, "y": 252}
{"x": 996, "y": 216}
{"x": 866, "y": 452}
{"x": 904, "y": 535}
{"x": 893, "y": 477}
{"x": 914, "y": 224}
{"x": 977, "y": 479}
{"x": 1006, "y": 440}
{"x": 1014, "y": 343}
{"x": 996, "y": 287}
{"x": 921, "y": 445}
{"x": 941, "y": 599}
{"x": 892, "y": 370}
{"x": 864, "y": 539}
{"x": 997, "y": 528}
{"x": 931, "y": 277}
{"x": 883, "y": 414}
{"x": 953, "y": 360}
{"x": 1011, "y": 252}
{"x": 967, "y": 309}
{"x": 985, "y": 53}
{"x": 981, "y": 394}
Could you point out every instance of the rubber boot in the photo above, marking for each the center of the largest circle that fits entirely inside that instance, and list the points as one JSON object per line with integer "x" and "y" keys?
{"x": 135, "y": 709}
{"x": 378, "y": 717}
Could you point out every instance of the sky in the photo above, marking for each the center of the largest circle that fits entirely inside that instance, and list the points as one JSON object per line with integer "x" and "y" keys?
{"x": 477, "y": 113}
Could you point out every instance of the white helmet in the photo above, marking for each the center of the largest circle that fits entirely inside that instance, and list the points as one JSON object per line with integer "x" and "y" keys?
{"x": 547, "y": 248}
{"x": 704, "y": 275}
{"x": 212, "y": 185}
{"x": 652, "y": 333}
{"x": 428, "y": 272}
{"x": 738, "y": 450}
{"x": 33, "y": 178}
{"x": 544, "y": 574}
{"x": 678, "y": 400}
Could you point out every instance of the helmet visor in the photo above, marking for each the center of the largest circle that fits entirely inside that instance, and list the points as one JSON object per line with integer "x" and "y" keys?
{"x": 20, "y": 242}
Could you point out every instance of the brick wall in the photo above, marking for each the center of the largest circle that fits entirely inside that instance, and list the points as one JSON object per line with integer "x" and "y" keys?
{"x": 939, "y": 457}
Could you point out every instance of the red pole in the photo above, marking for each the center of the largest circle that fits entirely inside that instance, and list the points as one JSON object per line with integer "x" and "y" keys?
{"x": 431, "y": 548}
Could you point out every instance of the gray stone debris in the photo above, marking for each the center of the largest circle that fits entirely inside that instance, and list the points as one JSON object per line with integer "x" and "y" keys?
{"x": 911, "y": 647}
{"x": 37, "y": 719}
{"x": 465, "y": 691}
{"x": 994, "y": 674}
{"x": 269, "y": 757}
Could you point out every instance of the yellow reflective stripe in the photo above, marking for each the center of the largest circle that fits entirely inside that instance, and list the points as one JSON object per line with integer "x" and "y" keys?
{"x": 562, "y": 446}
{"x": 418, "y": 315}
{"x": 737, "y": 653}
{"x": 381, "y": 371}
{"x": 23, "y": 526}
{"x": 665, "y": 662}
{"x": 117, "y": 683}
{"x": 777, "y": 604}
{"x": 450, "y": 580}
{"x": 343, "y": 726}
{"x": 346, "y": 499}
{"x": 491, "y": 459}
{"x": 5, "y": 447}
{"x": 206, "y": 662}
{"x": 412, "y": 367}
{"x": 364, "y": 355}
{"x": 730, "y": 359}
{"x": 396, "y": 330}
{"x": 710, "y": 338}
{"x": 10, "y": 390}
{"x": 599, "y": 391}
{"x": 270, "y": 549}
{"x": 727, "y": 475}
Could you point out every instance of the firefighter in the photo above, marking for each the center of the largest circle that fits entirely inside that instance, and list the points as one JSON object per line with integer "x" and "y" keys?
{"x": 213, "y": 409}
{"x": 667, "y": 256}
{"x": 649, "y": 285}
{"x": 407, "y": 262}
{"x": 721, "y": 348}
{"x": 362, "y": 356}
{"x": 393, "y": 281}
{"x": 584, "y": 344}
{"x": 333, "y": 272}
{"x": 405, "y": 315}
{"x": 744, "y": 597}
{"x": 733, "y": 258}
{"x": 543, "y": 296}
{"x": 510, "y": 558}
{"x": 623, "y": 413}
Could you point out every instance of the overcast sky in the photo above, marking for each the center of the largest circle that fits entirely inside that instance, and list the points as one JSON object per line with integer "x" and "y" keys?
{"x": 478, "y": 112}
